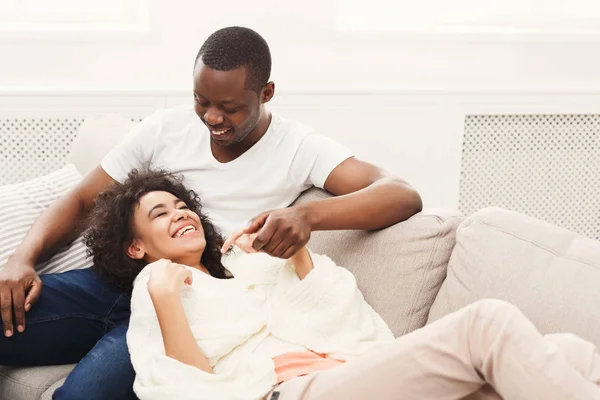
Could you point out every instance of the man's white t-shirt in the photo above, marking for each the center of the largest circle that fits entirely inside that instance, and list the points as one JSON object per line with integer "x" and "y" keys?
{"x": 287, "y": 160}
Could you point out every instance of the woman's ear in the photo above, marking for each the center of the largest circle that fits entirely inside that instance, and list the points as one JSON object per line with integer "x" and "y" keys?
{"x": 136, "y": 249}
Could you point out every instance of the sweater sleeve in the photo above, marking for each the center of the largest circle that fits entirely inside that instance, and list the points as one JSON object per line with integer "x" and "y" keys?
{"x": 325, "y": 311}
{"x": 160, "y": 377}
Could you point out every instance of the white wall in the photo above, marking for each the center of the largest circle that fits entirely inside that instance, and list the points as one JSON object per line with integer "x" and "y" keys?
{"x": 310, "y": 55}
{"x": 398, "y": 100}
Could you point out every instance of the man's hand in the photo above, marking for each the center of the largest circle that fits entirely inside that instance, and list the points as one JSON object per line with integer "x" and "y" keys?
{"x": 280, "y": 233}
{"x": 20, "y": 287}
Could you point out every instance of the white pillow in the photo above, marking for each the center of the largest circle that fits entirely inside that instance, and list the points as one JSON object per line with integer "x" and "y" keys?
{"x": 22, "y": 203}
{"x": 95, "y": 138}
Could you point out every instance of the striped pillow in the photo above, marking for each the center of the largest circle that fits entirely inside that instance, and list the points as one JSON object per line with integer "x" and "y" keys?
{"x": 22, "y": 203}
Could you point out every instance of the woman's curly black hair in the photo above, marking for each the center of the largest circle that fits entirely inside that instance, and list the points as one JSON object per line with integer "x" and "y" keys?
{"x": 110, "y": 226}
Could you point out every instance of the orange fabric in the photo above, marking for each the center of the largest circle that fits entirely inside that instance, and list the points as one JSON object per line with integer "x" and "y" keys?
{"x": 291, "y": 365}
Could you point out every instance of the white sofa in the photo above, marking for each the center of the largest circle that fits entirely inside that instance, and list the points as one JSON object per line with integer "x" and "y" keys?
{"x": 422, "y": 269}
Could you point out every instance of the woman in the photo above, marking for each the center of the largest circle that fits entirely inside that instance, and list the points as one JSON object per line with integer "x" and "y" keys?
{"x": 299, "y": 329}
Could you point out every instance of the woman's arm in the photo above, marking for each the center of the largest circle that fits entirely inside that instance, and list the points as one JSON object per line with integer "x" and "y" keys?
{"x": 164, "y": 287}
{"x": 303, "y": 262}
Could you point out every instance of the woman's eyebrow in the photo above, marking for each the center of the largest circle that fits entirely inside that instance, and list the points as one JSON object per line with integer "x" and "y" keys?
{"x": 154, "y": 208}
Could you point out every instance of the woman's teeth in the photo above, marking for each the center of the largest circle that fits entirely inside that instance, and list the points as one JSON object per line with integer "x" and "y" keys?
{"x": 184, "y": 230}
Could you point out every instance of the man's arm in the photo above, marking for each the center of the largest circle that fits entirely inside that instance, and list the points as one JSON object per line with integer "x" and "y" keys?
{"x": 62, "y": 221}
{"x": 366, "y": 198}
{"x": 20, "y": 285}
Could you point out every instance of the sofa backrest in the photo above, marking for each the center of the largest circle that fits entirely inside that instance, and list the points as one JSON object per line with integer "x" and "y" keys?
{"x": 551, "y": 274}
{"x": 399, "y": 269}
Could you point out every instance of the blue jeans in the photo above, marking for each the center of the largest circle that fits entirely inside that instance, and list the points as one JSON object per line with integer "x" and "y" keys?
{"x": 78, "y": 319}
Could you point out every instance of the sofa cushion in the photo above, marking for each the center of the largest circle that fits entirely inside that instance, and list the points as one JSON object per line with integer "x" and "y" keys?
{"x": 550, "y": 273}
{"x": 22, "y": 203}
{"x": 29, "y": 383}
{"x": 96, "y": 137}
{"x": 399, "y": 269}
{"x": 47, "y": 395}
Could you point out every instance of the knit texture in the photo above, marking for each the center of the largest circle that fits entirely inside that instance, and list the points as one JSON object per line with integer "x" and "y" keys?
{"x": 230, "y": 319}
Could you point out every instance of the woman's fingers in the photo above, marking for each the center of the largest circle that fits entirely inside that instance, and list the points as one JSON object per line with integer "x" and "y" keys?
{"x": 188, "y": 278}
{"x": 231, "y": 240}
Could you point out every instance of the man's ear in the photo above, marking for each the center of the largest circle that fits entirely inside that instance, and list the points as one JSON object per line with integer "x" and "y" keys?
{"x": 267, "y": 92}
{"x": 136, "y": 249}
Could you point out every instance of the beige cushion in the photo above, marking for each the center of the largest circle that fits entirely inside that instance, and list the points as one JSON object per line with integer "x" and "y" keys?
{"x": 399, "y": 269}
{"x": 551, "y": 274}
{"x": 28, "y": 383}
{"x": 47, "y": 395}
{"x": 96, "y": 136}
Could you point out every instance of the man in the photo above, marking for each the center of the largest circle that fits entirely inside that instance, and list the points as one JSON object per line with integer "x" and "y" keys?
{"x": 241, "y": 159}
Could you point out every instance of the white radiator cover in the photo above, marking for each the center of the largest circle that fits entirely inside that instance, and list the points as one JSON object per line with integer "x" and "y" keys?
{"x": 34, "y": 146}
{"x": 546, "y": 166}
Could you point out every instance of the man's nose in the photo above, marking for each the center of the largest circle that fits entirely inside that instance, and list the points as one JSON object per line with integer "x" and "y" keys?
{"x": 213, "y": 117}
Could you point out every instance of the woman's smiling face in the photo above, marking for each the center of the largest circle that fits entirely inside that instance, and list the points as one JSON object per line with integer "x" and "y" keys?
{"x": 164, "y": 227}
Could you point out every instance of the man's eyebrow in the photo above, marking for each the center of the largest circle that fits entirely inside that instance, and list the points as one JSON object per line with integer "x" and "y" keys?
{"x": 228, "y": 101}
{"x": 154, "y": 208}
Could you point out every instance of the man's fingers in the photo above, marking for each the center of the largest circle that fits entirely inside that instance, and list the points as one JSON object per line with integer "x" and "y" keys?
{"x": 6, "y": 310}
{"x": 264, "y": 235}
{"x": 280, "y": 250}
{"x": 34, "y": 293}
{"x": 276, "y": 240}
{"x": 290, "y": 251}
{"x": 256, "y": 223}
{"x": 275, "y": 246}
{"x": 231, "y": 240}
{"x": 18, "y": 300}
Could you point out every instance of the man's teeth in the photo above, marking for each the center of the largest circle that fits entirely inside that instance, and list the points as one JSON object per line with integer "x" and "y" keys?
{"x": 219, "y": 133}
{"x": 184, "y": 230}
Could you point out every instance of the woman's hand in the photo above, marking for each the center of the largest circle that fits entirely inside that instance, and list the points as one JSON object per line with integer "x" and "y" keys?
{"x": 168, "y": 278}
{"x": 242, "y": 240}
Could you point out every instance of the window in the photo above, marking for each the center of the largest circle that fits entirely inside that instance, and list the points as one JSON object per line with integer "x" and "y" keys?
{"x": 469, "y": 16}
{"x": 73, "y": 15}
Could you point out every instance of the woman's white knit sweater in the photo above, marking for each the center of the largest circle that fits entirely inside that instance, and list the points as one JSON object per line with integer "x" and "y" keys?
{"x": 241, "y": 323}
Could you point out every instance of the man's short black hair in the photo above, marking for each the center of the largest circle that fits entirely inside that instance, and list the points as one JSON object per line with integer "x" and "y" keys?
{"x": 234, "y": 47}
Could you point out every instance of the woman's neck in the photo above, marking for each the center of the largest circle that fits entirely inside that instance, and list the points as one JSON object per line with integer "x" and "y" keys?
{"x": 197, "y": 265}
{"x": 201, "y": 268}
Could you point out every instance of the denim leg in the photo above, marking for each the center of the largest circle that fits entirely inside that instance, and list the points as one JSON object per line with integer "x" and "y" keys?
{"x": 104, "y": 373}
{"x": 74, "y": 311}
